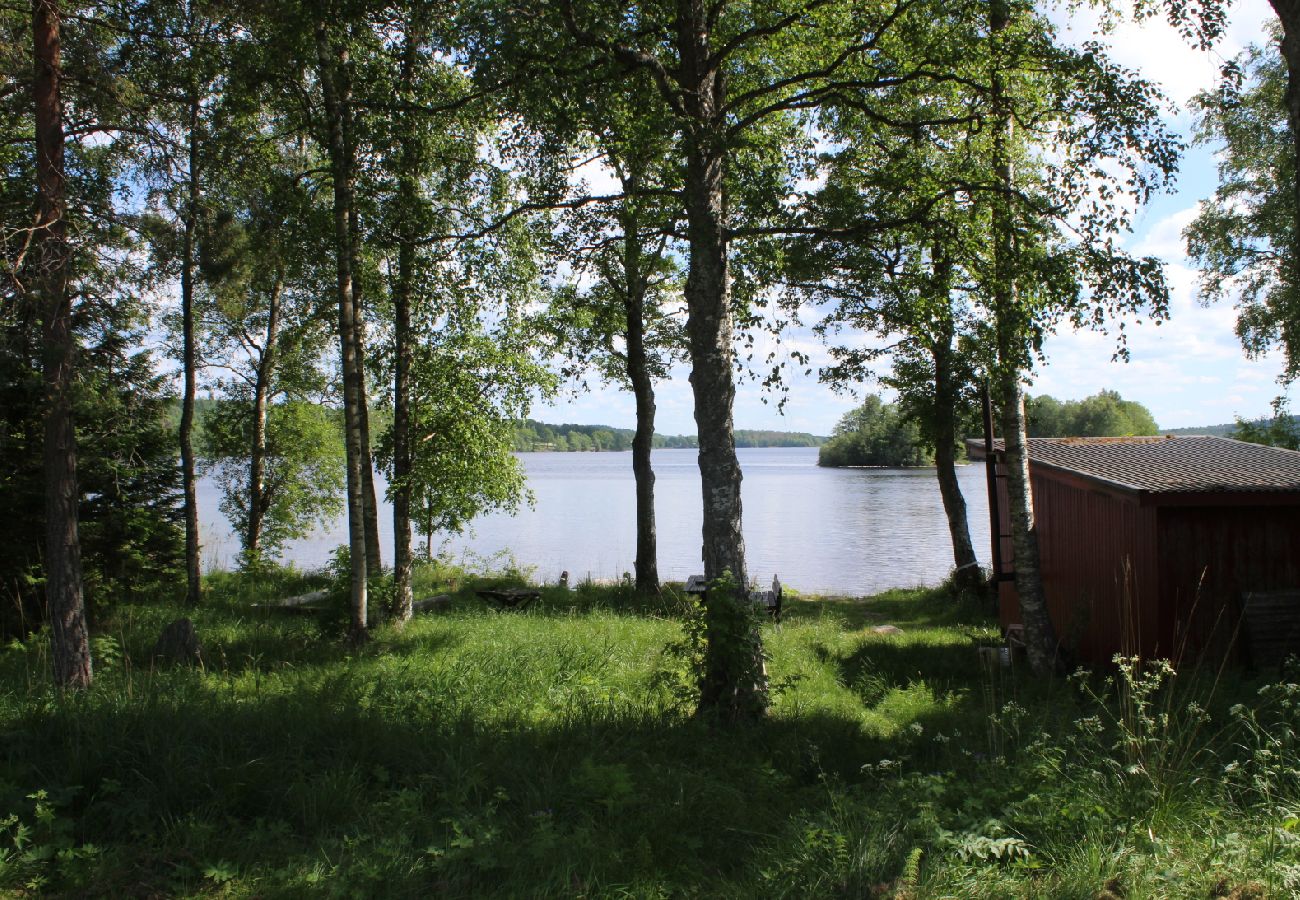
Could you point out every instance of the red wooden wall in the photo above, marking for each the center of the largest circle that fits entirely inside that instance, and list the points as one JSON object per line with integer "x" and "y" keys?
{"x": 1209, "y": 556}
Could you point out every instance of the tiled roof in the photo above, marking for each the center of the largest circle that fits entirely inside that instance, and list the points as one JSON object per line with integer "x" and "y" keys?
{"x": 1172, "y": 463}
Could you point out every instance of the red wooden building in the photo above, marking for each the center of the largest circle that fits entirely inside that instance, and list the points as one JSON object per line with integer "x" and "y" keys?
{"x": 1176, "y": 547}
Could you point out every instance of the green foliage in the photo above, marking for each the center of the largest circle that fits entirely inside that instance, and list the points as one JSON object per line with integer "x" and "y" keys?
{"x": 302, "y": 482}
{"x": 1243, "y": 238}
{"x": 1282, "y": 430}
{"x": 127, "y": 473}
{"x": 875, "y": 434}
{"x": 1105, "y": 414}
{"x": 39, "y": 848}
{"x": 468, "y": 391}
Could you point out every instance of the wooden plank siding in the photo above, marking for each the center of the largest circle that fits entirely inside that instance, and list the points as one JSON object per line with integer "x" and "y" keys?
{"x": 1097, "y": 552}
{"x": 1209, "y": 557}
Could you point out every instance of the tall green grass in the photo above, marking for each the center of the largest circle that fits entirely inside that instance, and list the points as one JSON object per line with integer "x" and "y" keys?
{"x": 552, "y": 753}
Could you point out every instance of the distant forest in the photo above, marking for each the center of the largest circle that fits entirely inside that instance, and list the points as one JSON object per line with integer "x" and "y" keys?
{"x": 1228, "y": 429}
{"x": 531, "y": 435}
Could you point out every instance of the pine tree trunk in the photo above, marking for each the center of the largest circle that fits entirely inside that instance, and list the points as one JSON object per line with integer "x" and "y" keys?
{"x": 69, "y": 640}
{"x": 350, "y": 361}
{"x": 734, "y": 686}
{"x": 257, "y": 501}
{"x": 193, "y": 574}
{"x": 638, "y": 373}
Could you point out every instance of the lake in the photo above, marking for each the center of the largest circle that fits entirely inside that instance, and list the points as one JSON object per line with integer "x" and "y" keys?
{"x": 838, "y": 531}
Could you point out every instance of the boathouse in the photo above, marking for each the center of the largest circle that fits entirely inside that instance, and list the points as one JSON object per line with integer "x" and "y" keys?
{"x": 1180, "y": 547}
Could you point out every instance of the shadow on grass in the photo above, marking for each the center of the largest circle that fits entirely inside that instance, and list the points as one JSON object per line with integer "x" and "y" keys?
{"x": 882, "y": 664}
{"x": 383, "y": 771}
{"x": 342, "y": 786}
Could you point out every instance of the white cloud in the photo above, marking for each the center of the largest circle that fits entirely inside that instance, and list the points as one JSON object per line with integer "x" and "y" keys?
{"x": 1158, "y": 52}
{"x": 1164, "y": 238}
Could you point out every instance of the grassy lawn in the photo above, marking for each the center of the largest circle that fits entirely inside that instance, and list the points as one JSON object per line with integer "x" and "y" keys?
{"x": 552, "y": 753}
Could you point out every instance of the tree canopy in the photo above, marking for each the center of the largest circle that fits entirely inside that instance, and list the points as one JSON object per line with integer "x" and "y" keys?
{"x": 1244, "y": 237}
{"x": 1105, "y": 414}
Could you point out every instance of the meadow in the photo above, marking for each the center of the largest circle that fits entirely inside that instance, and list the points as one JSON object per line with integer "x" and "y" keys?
{"x": 553, "y": 753}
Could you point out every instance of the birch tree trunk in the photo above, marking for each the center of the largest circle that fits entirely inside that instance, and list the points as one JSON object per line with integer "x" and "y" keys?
{"x": 734, "y": 686}
{"x": 1040, "y": 636}
{"x": 193, "y": 574}
{"x": 350, "y": 360}
{"x": 257, "y": 505}
{"x": 945, "y": 466}
{"x": 374, "y": 554}
{"x": 69, "y": 640}
{"x": 402, "y": 559}
{"x": 638, "y": 373}
{"x": 709, "y": 323}
{"x": 402, "y": 357}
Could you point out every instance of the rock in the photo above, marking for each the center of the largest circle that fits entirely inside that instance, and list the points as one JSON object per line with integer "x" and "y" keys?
{"x": 179, "y": 643}
{"x": 887, "y": 629}
{"x": 302, "y": 603}
{"x": 440, "y": 603}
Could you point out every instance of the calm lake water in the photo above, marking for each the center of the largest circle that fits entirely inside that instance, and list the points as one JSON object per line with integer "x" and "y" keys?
{"x": 842, "y": 531}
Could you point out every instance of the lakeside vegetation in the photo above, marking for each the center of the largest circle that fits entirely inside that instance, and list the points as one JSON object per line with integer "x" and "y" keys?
{"x": 894, "y": 435}
{"x": 554, "y": 752}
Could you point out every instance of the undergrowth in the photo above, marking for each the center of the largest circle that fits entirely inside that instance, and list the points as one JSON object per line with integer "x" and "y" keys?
{"x": 555, "y": 753}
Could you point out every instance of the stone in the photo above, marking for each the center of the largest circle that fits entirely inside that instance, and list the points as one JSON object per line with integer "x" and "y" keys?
{"x": 179, "y": 643}
{"x": 887, "y": 629}
{"x": 440, "y": 603}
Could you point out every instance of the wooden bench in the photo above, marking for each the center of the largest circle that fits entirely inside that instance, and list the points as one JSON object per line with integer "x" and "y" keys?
{"x": 769, "y": 600}
{"x": 510, "y": 598}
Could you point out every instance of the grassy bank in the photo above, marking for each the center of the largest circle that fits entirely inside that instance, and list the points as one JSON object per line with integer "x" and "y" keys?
{"x": 551, "y": 753}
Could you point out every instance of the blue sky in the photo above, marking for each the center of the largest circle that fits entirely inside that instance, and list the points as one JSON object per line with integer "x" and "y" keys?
{"x": 1189, "y": 371}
